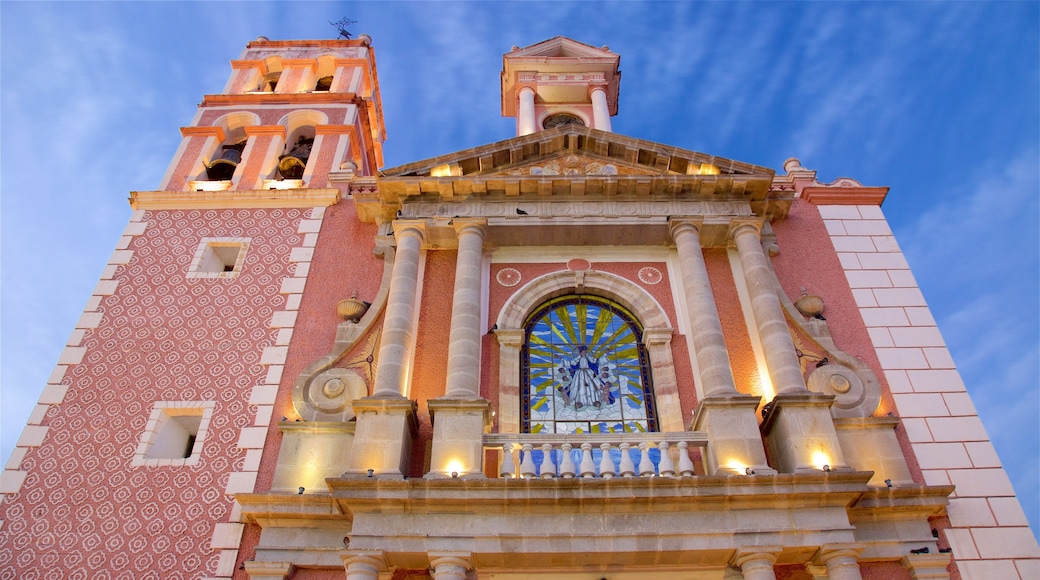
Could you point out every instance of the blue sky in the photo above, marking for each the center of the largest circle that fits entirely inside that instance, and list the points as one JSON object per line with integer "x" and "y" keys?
{"x": 939, "y": 101}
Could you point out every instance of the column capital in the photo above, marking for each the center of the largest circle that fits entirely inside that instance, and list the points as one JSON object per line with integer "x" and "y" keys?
{"x": 739, "y": 227}
{"x": 470, "y": 226}
{"x": 269, "y": 570}
{"x": 526, "y": 86}
{"x": 679, "y": 225}
{"x": 463, "y": 559}
{"x": 363, "y": 563}
{"x": 657, "y": 336}
{"x": 828, "y": 552}
{"x": 602, "y": 87}
{"x": 413, "y": 228}
{"x": 508, "y": 337}
{"x": 923, "y": 566}
{"x": 749, "y": 554}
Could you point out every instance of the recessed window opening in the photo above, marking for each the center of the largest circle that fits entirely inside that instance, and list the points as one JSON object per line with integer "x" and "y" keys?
{"x": 270, "y": 82}
{"x": 220, "y": 257}
{"x": 561, "y": 119}
{"x": 294, "y": 163}
{"x": 175, "y": 436}
{"x": 324, "y": 84}
{"x": 223, "y": 168}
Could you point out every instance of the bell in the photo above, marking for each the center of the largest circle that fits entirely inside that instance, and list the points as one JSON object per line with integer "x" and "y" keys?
{"x": 222, "y": 169}
{"x": 291, "y": 165}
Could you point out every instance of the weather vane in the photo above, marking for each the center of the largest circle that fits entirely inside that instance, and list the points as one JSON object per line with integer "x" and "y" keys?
{"x": 342, "y": 25}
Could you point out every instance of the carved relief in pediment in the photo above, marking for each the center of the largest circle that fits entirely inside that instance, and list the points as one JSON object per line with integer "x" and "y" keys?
{"x": 574, "y": 165}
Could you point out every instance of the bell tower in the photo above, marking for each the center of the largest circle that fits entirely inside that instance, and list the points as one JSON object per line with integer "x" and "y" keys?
{"x": 560, "y": 82}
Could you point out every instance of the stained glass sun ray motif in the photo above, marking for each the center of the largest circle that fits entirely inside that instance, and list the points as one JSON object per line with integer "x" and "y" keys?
{"x": 585, "y": 369}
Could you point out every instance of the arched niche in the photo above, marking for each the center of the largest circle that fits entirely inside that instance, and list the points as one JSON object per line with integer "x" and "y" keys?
{"x": 657, "y": 336}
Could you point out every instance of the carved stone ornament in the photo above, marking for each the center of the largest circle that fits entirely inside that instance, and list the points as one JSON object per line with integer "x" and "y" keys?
{"x": 508, "y": 277}
{"x": 337, "y": 389}
{"x": 650, "y": 275}
{"x": 852, "y": 397}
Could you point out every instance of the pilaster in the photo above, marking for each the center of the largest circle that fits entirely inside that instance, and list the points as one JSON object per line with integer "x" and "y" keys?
{"x": 458, "y": 429}
{"x": 734, "y": 441}
{"x": 383, "y": 437}
{"x": 799, "y": 432}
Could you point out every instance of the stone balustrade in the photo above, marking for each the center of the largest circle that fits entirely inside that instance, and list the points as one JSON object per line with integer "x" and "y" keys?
{"x": 531, "y": 455}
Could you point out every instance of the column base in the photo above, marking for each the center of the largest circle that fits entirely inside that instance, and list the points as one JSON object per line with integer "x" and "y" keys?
{"x": 734, "y": 441}
{"x": 800, "y": 435}
{"x": 458, "y": 437}
{"x": 386, "y": 427}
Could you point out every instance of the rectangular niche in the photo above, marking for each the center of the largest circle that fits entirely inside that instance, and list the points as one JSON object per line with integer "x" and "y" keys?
{"x": 219, "y": 258}
{"x": 175, "y": 433}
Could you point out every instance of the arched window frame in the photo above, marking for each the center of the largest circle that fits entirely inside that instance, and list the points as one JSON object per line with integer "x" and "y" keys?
{"x": 657, "y": 336}
{"x": 605, "y": 395}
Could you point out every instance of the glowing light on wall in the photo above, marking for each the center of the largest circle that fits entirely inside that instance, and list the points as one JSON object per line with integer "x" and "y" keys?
{"x": 820, "y": 459}
{"x": 454, "y": 466}
{"x": 446, "y": 170}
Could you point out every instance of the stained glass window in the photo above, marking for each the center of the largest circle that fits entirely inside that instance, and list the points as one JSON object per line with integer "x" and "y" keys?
{"x": 585, "y": 369}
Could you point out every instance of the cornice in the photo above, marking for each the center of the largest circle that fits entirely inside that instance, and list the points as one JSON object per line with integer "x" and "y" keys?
{"x": 844, "y": 195}
{"x": 228, "y": 199}
{"x": 318, "y": 98}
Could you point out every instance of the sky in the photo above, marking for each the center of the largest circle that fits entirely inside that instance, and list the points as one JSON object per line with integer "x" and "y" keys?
{"x": 937, "y": 100}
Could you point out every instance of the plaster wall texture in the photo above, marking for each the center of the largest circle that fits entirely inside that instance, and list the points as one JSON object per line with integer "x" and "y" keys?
{"x": 989, "y": 534}
{"x": 152, "y": 334}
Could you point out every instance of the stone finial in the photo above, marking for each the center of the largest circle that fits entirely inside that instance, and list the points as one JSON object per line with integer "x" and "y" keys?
{"x": 810, "y": 306}
{"x": 262, "y": 38}
{"x": 365, "y": 39}
{"x": 792, "y": 164}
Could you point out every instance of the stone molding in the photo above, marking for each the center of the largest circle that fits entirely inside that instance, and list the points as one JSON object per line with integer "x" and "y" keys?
{"x": 235, "y": 199}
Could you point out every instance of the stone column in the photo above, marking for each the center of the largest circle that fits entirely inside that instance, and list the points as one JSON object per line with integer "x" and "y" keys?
{"x": 756, "y": 562}
{"x": 464, "y": 337}
{"x": 399, "y": 326}
{"x": 709, "y": 344}
{"x": 450, "y": 566}
{"x": 600, "y": 109}
{"x": 460, "y": 416}
{"x": 525, "y": 115}
{"x": 386, "y": 423}
{"x": 781, "y": 360}
{"x": 363, "y": 565}
{"x": 799, "y": 430}
{"x": 841, "y": 560}
{"x": 728, "y": 417}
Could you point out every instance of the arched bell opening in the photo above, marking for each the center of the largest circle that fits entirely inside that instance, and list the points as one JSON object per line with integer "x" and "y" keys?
{"x": 223, "y": 168}
{"x": 292, "y": 164}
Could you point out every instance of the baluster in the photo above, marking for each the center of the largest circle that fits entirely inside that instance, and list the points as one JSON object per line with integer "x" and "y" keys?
{"x": 527, "y": 462}
{"x": 567, "y": 462}
{"x": 588, "y": 468}
{"x": 666, "y": 467}
{"x": 627, "y": 468}
{"x": 547, "y": 469}
{"x": 646, "y": 467}
{"x": 685, "y": 465}
{"x": 606, "y": 464}
{"x": 508, "y": 468}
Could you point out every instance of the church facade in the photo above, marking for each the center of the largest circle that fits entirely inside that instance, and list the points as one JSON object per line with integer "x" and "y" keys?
{"x": 567, "y": 354}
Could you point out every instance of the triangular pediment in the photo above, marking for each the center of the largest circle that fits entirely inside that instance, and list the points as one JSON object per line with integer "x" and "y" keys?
{"x": 561, "y": 47}
{"x": 573, "y": 150}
